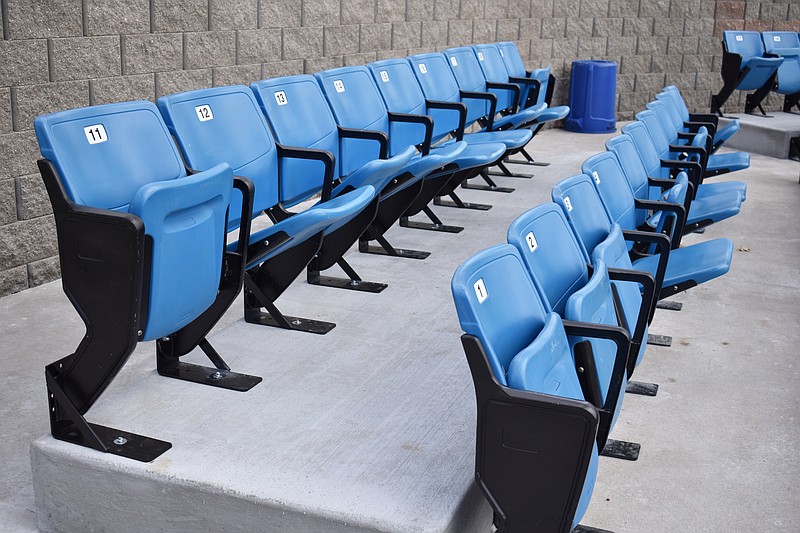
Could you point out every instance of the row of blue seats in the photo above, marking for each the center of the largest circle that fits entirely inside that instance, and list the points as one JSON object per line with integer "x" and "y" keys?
{"x": 760, "y": 62}
{"x": 556, "y": 320}
{"x": 142, "y": 219}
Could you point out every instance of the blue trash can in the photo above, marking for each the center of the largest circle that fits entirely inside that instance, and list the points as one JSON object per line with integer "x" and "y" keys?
{"x": 592, "y": 97}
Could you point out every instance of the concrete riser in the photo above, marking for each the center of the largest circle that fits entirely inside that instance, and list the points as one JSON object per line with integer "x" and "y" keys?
{"x": 766, "y": 136}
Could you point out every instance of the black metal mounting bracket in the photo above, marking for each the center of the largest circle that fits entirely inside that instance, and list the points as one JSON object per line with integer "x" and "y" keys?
{"x": 459, "y": 203}
{"x": 385, "y": 248}
{"x": 506, "y": 172}
{"x": 659, "y": 340}
{"x": 621, "y": 449}
{"x": 353, "y": 282}
{"x": 669, "y": 305}
{"x": 588, "y": 529}
{"x": 255, "y": 299}
{"x": 641, "y": 388}
{"x": 490, "y": 186}
{"x": 218, "y": 376}
{"x": 434, "y": 225}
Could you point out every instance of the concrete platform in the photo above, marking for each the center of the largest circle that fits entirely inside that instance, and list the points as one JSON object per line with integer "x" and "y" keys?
{"x": 765, "y": 136}
{"x": 371, "y": 427}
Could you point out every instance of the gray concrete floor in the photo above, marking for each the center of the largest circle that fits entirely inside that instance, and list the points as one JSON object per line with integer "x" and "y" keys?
{"x": 719, "y": 442}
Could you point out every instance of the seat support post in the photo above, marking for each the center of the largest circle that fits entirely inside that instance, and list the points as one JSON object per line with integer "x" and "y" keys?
{"x": 457, "y": 202}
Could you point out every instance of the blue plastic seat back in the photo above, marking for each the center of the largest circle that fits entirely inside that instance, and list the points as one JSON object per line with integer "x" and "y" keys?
{"x": 674, "y": 113}
{"x": 748, "y": 45}
{"x": 652, "y": 123}
{"x": 464, "y": 64}
{"x": 787, "y": 45}
{"x": 555, "y": 260}
{"x": 402, "y": 94}
{"x": 299, "y": 115}
{"x": 614, "y": 189}
{"x": 581, "y": 204}
{"x": 493, "y": 68}
{"x": 497, "y": 303}
{"x": 678, "y": 100}
{"x": 664, "y": 121}
{"x": 121, "y": 157}
{"x": 543, "y": 75}
{"x": 513, "y": 61}
{"x": 645, "y": 148}
{"x": 632, "y": 165}
{"x": 356, "y": 103}
{"x": 225, "y": 124}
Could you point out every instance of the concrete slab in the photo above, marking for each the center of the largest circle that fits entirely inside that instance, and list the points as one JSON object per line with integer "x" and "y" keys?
{"x": 765, "y": 136}
{"x": 371, "y": 428}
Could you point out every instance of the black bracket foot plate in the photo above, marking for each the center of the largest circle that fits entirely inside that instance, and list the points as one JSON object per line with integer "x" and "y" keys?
{"x": 641, "y": 388}
{"x": 430, "y": 226}
{"x": 659, "y": 340}
{"x": 216, "y": 377}
{"x": 464, "y": 205}
{"x": 398, "y": 252}
{"x": 588, "y": 529}
{"x": 526, "y": 162}
{"x": 295, "y": 323}
{"x": 670, "y": 305}
{"x": 350, "y": 284}
{"x": 122, "y": 443}
{"x": 490, "y": 188}
{"x": 621, "y": 449}
{"x": 511, "y": 175}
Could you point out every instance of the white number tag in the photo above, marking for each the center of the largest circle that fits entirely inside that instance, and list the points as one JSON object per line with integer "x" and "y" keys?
{"x": 384, "y": 76}
{"x": 95, "y": 134}
{"x": 338, "y": 85}
{"x": 453, "y": 61}
{"x": 422, "y": 68}
{"x": 204, "y": 112}
{"x": 280, "y": 97}
{"x": 739, "y": 38}
{"x": 501, "y": 53}
{"x": 568, "y": 203}
{"x": 480, "y": 291}
{"x": 596, "y": 177}
{"x": 531, "y": 240}
{"x": 776, "y": 38}
{"x": 480, "y": 56}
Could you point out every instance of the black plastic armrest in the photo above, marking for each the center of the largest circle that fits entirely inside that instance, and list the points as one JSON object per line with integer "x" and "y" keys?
{"x": 688, "y": 149}
{"x": 324, "y": 156}
{"x": 664, "y": 183}
{"x": 379, "y": 136}
{"x": 525, "y": 81}
{"x": 506, "y": 87}
{"x": 491, "y": 98}
{"x": 669, "y": 207}
{"x": 620, "y": 338}
{"x": 248, "y": 190}
{"x": 662, "y": 244}
{"x": 461, "y": 107}
{"x": 648, "y": 283}
{"x": 705, "y": 117}
{"x": 424, "y": 120}
{"x": 695, "y": 125}
{"x": 686, "y": 135}
{"x": 694, "y": 170}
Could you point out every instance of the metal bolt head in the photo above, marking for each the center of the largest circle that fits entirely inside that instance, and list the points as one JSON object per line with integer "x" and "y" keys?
{"x": 296, "y": 322}
{"x": 216, "y": 375}
{"x": 119, "y": 441}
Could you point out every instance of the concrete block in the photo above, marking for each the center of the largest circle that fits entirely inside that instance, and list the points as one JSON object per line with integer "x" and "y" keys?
{"x": 154, "y": 52}
{"x": 180, "y": 15}
{"x": 33, "y": 100}
{"x": 8, "y": 201}
{"x": 725, "y": 25}
{"x": 280, "y": 14}
{"x": 708, "y": 8}
{"x": 580, "y": 27}
{"x": 484, "y": 31}
{"x": 317, "y": 64}
{"x": 652, "y": 45}
{"x": 685, "y": 9}
{"x": 623, "y": 8}
{"x": 406, "y": 35}
{"x": 594, "y": 8}
{"x": 26, "y": 241}
{"x": 114, "y": 17}
{"x": 434, "y": 33}
{"x": 640, "y": 27}
{"x": 123, "y": 88}
{"x": 321, "y": 13}
{"x": 618, "y": 46}
{"x": 564, "y": 48}
{"x": 472, "y": 9}
{"x": 654, "y": 8}
{"x": 542, "y": 8}
{"x": 707, "y": 81}
{"x": 259, "y": 46}
{"x": 554, "y": 28}
{"x": 390, "y": 11}
{"x": 507, "y": 30}
{"x": 20, "y": 152}
{"x": 32, "y": 197}
{"x": 385, "y": 54}
{"x": 668, "y": 27}
{"x": 43, "y": 271}
{"x": 633, "y": 102}
{"x": 300, "y": 43}
{"x": 495, "y": 9}
{"x": 23, "y": 62}
{"x": 209, "y": 49}
{"x": 233, "y": 15}
{"x": 625, "y": 83}
{"x": 794, "y": 11}
{"x": 182, "y": 80}
{"x": 607, "y": 27}
{"x": 13, "y": 280}
{"x": 420, "y": 10}
{"x": 649, "y": 83}
{"x": 6, "y": 124}
{"x": 375, "y": 37}
{"x": 730, "y": 10}
{"x": 774, "y": 11}
{"x": 276, "y": 69}
{"x": 459, "y": 32}
{"x": 76, "y": 58}
{"x": 358, "y": 11}
{"x": 634, "y": 64}
{"x": 700, "y": 27}
{"x": 759, "y": 25}
{"x": 683, "y": 45}
{"x": 697, "y": 63}
{"x": 524, "y": 48}
{"x": 530, "y": 28}
{"x": 519, "y": 9}
{"x": 566, "y": 8}
{"x": 30, "y": 19}
{"x": 784, "y": 25}
{"x": 594, "y": 47}
{"x": 445, "y": 9}
{"x": 340, "y": 40}
{"x": 668, "y": 63}
{"x": 541, "y": 49}
{"x": 359, "y": 59}
{"x": 236, "y": 75}
{"x": 681, "y": 80}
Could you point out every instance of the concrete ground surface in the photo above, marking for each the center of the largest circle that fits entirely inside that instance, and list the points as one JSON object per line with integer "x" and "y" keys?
{"x": 371, "y": 427}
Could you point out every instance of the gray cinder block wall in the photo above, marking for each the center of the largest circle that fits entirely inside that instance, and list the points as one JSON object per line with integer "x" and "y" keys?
{"x": 60, "y": 54}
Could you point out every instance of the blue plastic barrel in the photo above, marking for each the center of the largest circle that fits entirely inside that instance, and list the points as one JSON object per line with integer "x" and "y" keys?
{"x": 592, "y": 97}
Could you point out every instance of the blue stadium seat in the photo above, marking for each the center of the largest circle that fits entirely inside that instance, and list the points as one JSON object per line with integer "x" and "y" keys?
{"x": 526, "y": 386}
{"x": 357, "y": 104}
{"x": 693, "y": 121}
{"x": 785, "y": 44}
{"x": 142, "y": 248}
{"x": 299, "y": 115}
{"x": 224, "y": 124}
{"x": 402, "y": 94}
{"x": 745, "y": 68}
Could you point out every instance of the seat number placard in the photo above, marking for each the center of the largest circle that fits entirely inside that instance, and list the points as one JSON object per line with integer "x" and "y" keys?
{"x": 384, "y": 76}
{"x": 739, "y": 38}
{"x": 480, "y": 291}
{"x": 280, "y": 97}
{"x": 531, "y": 240}
{"x": 422, "y": 68}
{"x": 338, "y": 85}
{"x": 453, "y": 61}
{"x": 568, "y": 203}
{"x": 776, "y": 38}
{"x": 204, "y": 112}
{"x": 95, "y": 133}
{"x": 480, "y": 56}
{"x": 596, "y": 177}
